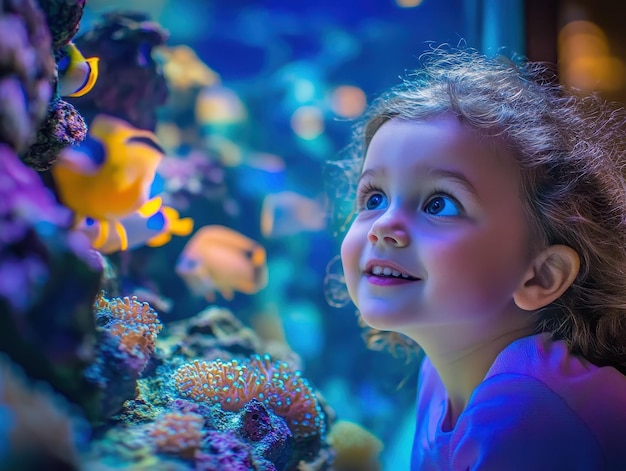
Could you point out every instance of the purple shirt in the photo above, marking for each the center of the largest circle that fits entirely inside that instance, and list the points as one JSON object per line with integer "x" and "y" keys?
{"x": 538, "y": 408}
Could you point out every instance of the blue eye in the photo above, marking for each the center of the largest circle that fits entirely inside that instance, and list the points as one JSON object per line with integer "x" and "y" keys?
{"x": 375, "y": 201}
{"x": 442, "y": 206}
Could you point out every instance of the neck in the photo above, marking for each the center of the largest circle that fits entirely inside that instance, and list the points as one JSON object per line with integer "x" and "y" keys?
{"x": 462, "y": 369}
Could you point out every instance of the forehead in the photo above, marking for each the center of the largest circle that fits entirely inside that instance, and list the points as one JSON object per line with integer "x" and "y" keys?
{"x": 444, "y": 143}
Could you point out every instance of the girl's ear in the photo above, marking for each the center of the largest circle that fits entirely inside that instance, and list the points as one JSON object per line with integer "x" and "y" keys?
{"x": 550, "y": 273}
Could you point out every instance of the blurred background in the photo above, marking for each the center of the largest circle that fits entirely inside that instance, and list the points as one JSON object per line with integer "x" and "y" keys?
{"x": 262, "y": 95}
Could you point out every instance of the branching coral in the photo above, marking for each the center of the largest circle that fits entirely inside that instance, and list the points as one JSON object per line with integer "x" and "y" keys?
{"x": 235, "y": 383}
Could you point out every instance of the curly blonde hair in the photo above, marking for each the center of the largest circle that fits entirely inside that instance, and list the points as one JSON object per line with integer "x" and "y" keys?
{"x": 572, "y": 151}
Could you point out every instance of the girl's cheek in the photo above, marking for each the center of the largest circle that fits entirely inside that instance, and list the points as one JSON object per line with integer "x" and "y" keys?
{"x": 350, "y": 250}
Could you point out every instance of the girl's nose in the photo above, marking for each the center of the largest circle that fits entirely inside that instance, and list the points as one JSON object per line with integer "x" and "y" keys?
{"x": 389, "y": 229}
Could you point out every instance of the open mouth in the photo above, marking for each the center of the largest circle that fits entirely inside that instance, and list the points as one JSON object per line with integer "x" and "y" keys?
{"x": 387, "y": 272}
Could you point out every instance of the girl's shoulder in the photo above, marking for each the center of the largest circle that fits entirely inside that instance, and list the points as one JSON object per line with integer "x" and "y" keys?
{"x": 558, "y": 389}
{"x": 550, "y": 362}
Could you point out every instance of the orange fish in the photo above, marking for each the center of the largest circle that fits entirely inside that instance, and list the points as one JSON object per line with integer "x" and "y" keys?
{"x": 135, "y": 230}
{"x": 221, "y": 259}
{"x": 112, "y": 173}
{"x": 77, "y": 75}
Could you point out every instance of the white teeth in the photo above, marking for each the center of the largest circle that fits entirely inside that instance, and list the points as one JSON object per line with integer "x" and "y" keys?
{"x": 386, "y": 271}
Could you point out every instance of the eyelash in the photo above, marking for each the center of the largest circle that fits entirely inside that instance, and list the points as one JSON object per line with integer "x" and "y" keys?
{"x": 363, "y": 192}
{"x": 367, "y": 189}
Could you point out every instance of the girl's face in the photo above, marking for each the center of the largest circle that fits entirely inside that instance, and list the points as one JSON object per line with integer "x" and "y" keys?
{"x": 440, "y": 237}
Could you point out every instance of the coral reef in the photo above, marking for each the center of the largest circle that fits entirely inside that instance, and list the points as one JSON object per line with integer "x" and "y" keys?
{"x": 178, "y": 433}
{"x": 48, "y": 30}
{"x": 249, "y": 413}
{"x": 127, "y": 331}
{"x": 62, "y": 127}
{"x": 213, "y": 333}
{"x": 135, "y": 324}
{"x": 44, "y": 327}
{"x": 63, "y": 19}
{"x": 131, "y": 85}
{"x": 28, "y": 210}
{"x": 233, "y": 384}
{"x": 26, "y": 72}
{"x": 24, "y": 442}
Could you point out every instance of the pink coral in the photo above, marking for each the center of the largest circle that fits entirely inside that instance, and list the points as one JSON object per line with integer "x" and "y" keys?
{"x": 234, "y": 383}
{"x": 178, "y": 432}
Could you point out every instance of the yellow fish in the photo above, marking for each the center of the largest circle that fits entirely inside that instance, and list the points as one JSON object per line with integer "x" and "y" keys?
{"x": 221, "y": 259}
{"x": 112, "y": 173}
{"x": 135, "y": 230}
{"x": 77, "y": 75}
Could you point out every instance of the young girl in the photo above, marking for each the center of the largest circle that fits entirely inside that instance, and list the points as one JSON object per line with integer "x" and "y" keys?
{"x": 491, "y": 230}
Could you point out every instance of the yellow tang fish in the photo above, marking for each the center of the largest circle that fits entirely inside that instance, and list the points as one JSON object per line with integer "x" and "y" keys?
{"x": 112, "y": 173}
{"x": 135, "y": 230}
{"x": 77, "y": 75}
{"x": 221, "y": 259}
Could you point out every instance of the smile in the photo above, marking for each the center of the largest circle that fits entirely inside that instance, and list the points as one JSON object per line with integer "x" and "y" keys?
{"x": 383, "y": 272}
{"x": 386, "y": 271}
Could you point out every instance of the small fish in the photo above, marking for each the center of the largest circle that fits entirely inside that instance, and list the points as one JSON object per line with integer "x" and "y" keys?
{"x": 287, "y": 213}
{"x": 135, "y": 230}
{"x": 221, "y": 259}
{"x": 112, "y": 173}
{"x": 77, "y": 75}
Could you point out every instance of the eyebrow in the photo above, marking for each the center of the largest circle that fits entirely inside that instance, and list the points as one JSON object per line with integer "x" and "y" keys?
{"x": 457, "y": 176}
{"x": 436, "y": 172}
{"x": 374, "y": 172}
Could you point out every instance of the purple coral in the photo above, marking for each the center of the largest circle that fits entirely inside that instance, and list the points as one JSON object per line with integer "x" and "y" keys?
{"x": 27, "y": 210}
{"x": 256, "y": 421}
{"x": 63, "y": 127}
{"x": 224, "y": 450}
{"x": 271, "y": 434}
{"x": 27, "y": 72}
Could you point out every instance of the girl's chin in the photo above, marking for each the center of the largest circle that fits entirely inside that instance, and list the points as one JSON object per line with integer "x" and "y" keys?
{"x": 378, "y": 320}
